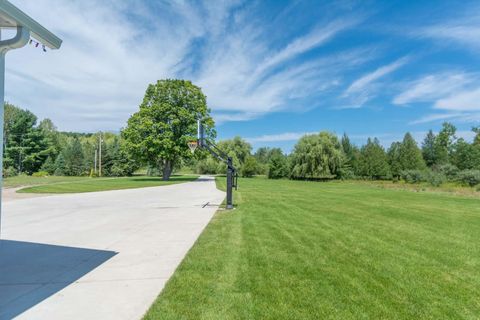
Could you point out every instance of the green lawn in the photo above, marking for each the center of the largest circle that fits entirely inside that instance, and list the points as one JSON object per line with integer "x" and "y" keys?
{"x": 103, "y": 184}
{"x": 306, "y": 250}
{"x": 24, "y": 180}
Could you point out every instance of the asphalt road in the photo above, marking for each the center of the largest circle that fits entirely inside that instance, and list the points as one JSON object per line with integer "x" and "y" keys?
{"x": 102, "y": 255}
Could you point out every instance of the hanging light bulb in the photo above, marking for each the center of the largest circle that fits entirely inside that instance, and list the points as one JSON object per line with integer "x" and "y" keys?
{"x": 44, "y": 49}
{"x": 36, "y": 45}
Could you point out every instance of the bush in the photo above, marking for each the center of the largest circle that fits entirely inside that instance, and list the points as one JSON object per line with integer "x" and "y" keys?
{"x": 413, "y": 176}
{"x": 277, "y": 167}
{"x": 207, "y": 166}
{"x": 469, "y": 177}
{"x": 450, "y": 171}
{"x": 249, "y": 168}
{"x": 9, "y": 172}
{"x": 435, "y": 178}
{"x": 40, "y": 174}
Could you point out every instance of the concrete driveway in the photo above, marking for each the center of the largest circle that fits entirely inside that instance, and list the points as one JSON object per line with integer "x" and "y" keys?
{"x": 102, "y": 255}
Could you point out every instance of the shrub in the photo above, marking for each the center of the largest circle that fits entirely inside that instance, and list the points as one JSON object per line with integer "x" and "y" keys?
{"x": 9, "y": 172}
{"x": 450, "y": 171}
{"x": 435, "y": 178}
{"x": 207, "y": 166}
{"x": 469, "y": 177}
{"x": 40, "y": 174}
{"x": 249, "y": 168}
{"x": 413, "y": 176}
{"x": 277, "y": 167}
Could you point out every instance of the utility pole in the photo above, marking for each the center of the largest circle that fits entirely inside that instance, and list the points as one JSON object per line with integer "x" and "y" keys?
{"x": 95, "y": 163}
{"x": 100, "y": 155}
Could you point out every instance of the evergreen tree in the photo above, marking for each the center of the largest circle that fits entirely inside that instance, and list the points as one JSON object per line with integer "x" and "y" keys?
{"x": 476, "y": 140}
{"x": 373, "y": 160}
{"x": 48, "y": 165}
{"x": 428, "y": 148}
{"x": 394, "y": 156}
{"x": 60, "y": 167}
{"x": 74, "y": 158}
{"x": 410, "y": 155}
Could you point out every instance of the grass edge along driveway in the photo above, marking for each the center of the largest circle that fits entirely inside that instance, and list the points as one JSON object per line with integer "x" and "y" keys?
{"x": 106, "y": 184}
{"x": 306, "y": 250}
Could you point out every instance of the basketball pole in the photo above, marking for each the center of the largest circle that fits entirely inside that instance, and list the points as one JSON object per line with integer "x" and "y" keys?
{"x": 202, "y": 142}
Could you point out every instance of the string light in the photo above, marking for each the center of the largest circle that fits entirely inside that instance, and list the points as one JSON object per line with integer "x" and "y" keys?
{"x": 37, "y": 44}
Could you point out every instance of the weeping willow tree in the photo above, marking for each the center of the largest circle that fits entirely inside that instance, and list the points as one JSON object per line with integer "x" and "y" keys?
{"x": 317, "y": 156}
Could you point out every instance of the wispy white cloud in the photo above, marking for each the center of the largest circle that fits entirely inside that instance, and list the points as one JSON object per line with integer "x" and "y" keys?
{"x": 432, "y": 87}
{"x": 435, "y": 117}
{"x": 113, "y": 49}
{"x": 361, "y": 89}
{"x": 463, "y": 30}
{"x": 467, "y": 100}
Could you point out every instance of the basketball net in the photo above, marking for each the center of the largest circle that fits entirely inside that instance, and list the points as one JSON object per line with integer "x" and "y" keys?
{"x": 193, "y": 146}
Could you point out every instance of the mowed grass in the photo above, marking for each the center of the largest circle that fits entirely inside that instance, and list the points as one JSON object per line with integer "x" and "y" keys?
{"x": 307, "y": 250}
{"x": 104, "y": 184}
{"x": 24, "y": 180}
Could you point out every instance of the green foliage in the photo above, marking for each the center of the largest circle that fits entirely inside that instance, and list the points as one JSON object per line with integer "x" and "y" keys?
{"x": 237, "y": 148}
{"x": 60, "y": 166}
{"x": 74, "y": 158}
{"x": 26, "y": 147}
{"x": 158, "y": 133}
{"x": 317, "y": 156}
{"x": 476, "y": 140}
{"x": 405, "y": 155}
{"x": 249, "y": 167}
{"x": 208, "y": 166}
{"x": 49, "y": 165}
{"x": 448, "y": 170}
{"x": 40, "y": 174}
{"x": 9, "y": 172}
{"x": 394, "y": 159}
{"x": 466, "y": 155}
{"x": 469, "y": 177}
{"x": 352, "y": 154}
{"x": 428, "y": 148}
{"x": 443, "y": 143}
{"x": 277, "y": 165}
{"x": 373, "y": 162}
{"x": 410, "y": 154}
{"x": 413, "y": 176}
{"x": 435, "y": 178}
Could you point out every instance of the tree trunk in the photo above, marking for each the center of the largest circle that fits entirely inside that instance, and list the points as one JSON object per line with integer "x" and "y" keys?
{"x": 166, "y": 170}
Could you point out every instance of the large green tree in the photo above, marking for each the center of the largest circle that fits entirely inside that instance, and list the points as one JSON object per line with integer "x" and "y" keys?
{"x": 428, "y": 148}
{"x": 410, "y": 154}
{"x": 373, "y": 162}
{"x": 317, "y": 156}
{"x": 26, "y": 147}
{"x": 158, "y": 133}
{"x": 444, "y": 142}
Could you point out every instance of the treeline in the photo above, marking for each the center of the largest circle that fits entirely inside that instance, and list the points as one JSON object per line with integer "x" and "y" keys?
{"x": 31, "y": 148}
{"x": 441, "y": 157}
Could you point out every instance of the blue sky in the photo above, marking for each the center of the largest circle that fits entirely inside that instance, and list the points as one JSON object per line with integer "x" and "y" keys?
{"x": 272, "y": 70}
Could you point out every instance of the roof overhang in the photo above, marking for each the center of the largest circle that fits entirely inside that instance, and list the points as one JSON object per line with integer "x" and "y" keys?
{"x": 12, "y": 17}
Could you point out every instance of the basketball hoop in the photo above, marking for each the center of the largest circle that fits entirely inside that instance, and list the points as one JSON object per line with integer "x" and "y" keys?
{"x": 192, "y": 145}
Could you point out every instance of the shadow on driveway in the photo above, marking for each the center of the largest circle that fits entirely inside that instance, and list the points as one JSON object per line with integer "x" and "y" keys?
{"x": 32, "y": 272}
